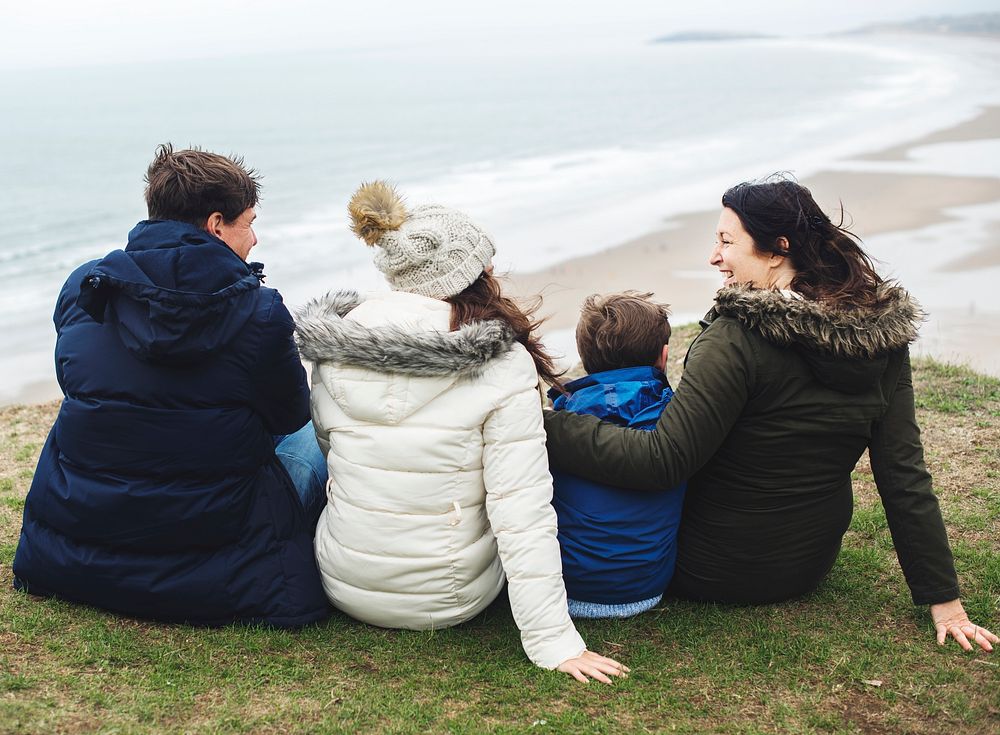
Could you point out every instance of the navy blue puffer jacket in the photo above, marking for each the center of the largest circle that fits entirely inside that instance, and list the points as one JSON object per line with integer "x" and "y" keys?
{"x": 158, "y": 493}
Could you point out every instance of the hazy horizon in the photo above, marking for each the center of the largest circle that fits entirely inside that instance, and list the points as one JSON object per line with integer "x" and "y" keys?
{"x": 61, "y": 34}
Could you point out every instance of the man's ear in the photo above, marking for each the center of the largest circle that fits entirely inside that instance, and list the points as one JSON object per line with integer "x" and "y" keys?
{"x": 213, "y": 225}
{"x": 661, "y": 362}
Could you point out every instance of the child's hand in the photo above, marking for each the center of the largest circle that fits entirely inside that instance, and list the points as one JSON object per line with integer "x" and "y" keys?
{"x": 593, "y": 665}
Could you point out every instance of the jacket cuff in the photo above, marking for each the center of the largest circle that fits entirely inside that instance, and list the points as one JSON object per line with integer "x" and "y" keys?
{"x": 934, "y": 597}
{"x": 549, "y": 651}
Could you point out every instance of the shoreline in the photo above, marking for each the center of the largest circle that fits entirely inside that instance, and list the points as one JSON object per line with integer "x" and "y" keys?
{"x": 883, "y": 207}
{"x": 886, "y": 209}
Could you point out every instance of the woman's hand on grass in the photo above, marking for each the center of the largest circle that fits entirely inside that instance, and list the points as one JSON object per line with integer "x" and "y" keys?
{"x": 950, "y": 620}
{"x": 593, "y": 665}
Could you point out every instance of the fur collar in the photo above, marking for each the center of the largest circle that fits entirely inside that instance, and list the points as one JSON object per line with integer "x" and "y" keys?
{"x": 324, "y": 335}
{"x": 857, "y": 333}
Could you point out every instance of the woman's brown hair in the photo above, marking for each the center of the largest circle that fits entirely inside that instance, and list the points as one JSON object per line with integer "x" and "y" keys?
{"x": 829, "y": 263}
{"x": 483, "y": 300}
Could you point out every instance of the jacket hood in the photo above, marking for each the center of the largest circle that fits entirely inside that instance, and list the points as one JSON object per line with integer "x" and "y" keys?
{"x": 325, "y": 336}
{"x": 634, "y": 396}
{"x": 394, "y": 356}
{"x": 175, "y": 294}
{"x": 846, "y": 349}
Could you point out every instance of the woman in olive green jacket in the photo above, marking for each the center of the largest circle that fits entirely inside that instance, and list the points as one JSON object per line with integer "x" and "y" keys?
{"x": 802, "y": 364}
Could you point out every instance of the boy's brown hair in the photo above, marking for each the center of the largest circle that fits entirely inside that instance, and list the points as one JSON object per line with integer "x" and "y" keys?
{"x": 191, "y": 184}
{"x": 621, "y": 330}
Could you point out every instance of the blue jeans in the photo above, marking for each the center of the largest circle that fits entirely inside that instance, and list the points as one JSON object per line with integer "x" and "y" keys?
{"x": 306, "y": 465}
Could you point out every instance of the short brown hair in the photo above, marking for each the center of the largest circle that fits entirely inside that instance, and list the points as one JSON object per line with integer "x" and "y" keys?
{"x": 189, "y": 185}
{"x": 621, "y": 330}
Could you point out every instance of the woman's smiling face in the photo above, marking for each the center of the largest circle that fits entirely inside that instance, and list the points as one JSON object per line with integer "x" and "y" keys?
{"x": 736, "y": 257}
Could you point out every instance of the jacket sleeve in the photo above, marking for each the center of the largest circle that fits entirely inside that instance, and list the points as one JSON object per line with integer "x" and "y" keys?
{"x": 519, "y": 506}
{"x": 716, "y": 386}
{"x": 320, "y": 402}
{"x": 904, "y": 484}
{"x": 281, "y": 391}
{"x": 61, "y": 316}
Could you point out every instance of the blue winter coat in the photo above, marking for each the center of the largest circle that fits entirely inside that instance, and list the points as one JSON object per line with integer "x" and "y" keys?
{"x": 617, "y": 545}
{"x": 158, "y": 493}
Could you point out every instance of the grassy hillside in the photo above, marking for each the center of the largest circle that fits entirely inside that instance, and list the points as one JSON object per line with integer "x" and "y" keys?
{"x": 855, "y": 657}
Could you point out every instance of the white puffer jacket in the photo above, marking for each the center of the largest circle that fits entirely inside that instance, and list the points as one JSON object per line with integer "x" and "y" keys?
{"x": 439, "y": 480}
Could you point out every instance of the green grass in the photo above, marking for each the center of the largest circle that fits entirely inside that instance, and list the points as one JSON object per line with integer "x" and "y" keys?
{"x": 29, "y": 452}
{"x": 854, "y": 657}
{"x": 956, "y": 389}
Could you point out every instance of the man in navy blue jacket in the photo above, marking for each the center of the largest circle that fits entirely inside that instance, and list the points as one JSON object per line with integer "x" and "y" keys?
{"x": 159, "y": 492}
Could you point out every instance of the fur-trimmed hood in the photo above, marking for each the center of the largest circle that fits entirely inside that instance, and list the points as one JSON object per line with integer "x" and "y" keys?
{"x": 324, "y": 336}
{"x": 858, "y": 333}
{"x": 845, "y": 348}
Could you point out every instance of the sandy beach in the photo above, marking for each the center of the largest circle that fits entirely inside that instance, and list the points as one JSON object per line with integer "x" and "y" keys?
{"x": 883, "y": 207}
{"x": 937, "y": 194}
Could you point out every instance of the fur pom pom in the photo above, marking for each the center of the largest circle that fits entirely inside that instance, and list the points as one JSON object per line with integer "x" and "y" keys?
{"x": 375, "y": 208}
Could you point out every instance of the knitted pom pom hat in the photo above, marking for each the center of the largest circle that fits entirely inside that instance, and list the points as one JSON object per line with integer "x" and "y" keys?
{"x": 429, "y": 250}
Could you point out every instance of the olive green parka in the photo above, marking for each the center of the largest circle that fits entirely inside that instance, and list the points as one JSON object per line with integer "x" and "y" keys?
{"x": 779, "y": 399}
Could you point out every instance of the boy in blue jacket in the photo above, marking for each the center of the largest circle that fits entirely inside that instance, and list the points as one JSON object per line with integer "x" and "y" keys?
{"x": 618, "y": 546}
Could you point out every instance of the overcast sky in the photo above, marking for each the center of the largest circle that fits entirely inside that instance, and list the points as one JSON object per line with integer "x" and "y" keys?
{"x": 45, "y": 33}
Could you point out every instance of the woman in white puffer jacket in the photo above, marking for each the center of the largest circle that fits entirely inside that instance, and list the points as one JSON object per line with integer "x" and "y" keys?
{"x": 425, "y": 402}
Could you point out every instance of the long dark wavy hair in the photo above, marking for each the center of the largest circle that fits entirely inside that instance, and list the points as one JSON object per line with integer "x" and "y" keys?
{"x": 483, "y": 300}
{"x": 830, "y": 264}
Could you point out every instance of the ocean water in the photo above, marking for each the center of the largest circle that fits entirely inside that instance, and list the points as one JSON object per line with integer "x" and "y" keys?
{"x": 559, "y": 150}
